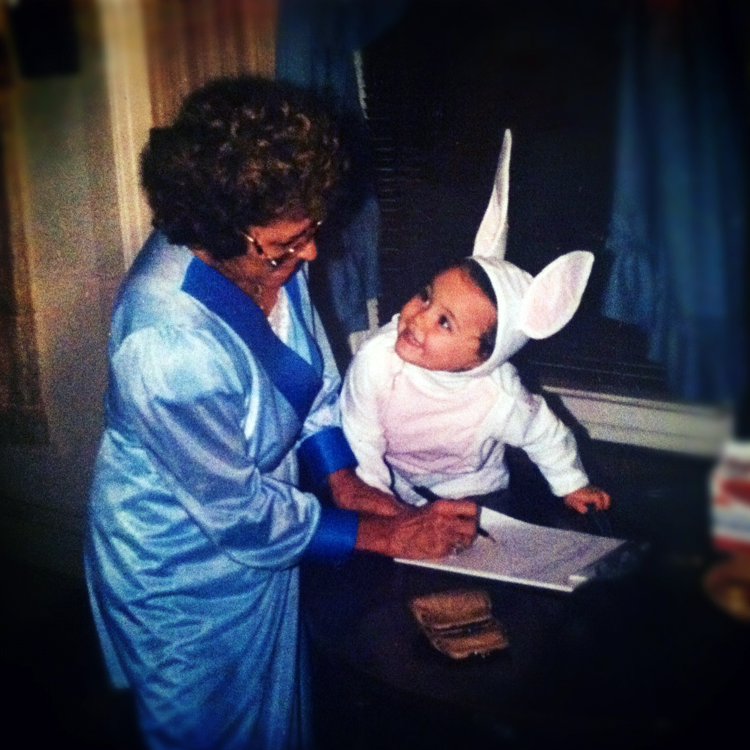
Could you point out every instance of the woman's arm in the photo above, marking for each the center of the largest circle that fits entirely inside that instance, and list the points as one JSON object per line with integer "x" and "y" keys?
{"x": 432, "y": 531}
{"x": 351, "y": 493}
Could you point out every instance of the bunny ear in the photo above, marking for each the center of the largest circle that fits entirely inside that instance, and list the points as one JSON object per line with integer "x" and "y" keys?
{"x": 554, "y": 295}
{"x": 493, "y": 231}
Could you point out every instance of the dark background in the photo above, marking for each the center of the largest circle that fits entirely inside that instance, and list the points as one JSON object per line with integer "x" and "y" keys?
{"x": 442, "y": 86}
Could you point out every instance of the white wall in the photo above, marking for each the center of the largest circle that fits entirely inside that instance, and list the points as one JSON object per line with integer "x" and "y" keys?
{"x": 75, "y": 264}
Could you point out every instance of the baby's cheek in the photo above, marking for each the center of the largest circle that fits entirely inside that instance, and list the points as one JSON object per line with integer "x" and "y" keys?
{"x": 408, "y": 308}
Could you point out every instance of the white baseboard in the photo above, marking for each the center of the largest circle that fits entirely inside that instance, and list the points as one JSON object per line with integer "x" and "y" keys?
{"x": 683, "y": 428}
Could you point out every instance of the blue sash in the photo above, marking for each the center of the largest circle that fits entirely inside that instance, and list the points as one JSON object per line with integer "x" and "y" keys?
{"x": 293, "y": 376}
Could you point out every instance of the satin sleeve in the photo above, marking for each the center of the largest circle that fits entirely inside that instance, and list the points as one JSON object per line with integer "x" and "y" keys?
{"x": 201, "y": 420}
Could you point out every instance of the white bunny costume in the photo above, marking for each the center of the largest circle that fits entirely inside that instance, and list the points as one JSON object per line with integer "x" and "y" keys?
{"x": 409, "y": 426}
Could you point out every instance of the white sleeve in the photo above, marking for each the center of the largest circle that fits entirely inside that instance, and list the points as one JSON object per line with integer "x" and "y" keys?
{"x": 551, "y": 445}
{"x": 360, "y": 415}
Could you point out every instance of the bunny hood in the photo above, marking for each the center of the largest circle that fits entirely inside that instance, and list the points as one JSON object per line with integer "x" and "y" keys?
{"x": 527, "y": 306}
{"x": 532, "y": 307}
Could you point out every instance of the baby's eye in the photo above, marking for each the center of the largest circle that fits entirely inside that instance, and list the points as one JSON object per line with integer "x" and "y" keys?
{"x": 444, "y": 322}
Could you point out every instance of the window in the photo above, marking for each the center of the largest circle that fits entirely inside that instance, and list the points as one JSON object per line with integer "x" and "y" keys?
{"x": 442, "y": 85}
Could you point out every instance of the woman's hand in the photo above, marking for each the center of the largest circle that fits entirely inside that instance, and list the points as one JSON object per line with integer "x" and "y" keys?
{"x": 431, "y": 531}
{"x": 589, "y": 495}
{"x": 351, "y": 493}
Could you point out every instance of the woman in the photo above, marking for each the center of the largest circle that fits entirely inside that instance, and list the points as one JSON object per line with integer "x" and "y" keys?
{"x": 220, "y": 378}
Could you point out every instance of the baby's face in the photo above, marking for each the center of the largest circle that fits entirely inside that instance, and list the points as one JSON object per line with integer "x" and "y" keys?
{"x": 439, "y": 329}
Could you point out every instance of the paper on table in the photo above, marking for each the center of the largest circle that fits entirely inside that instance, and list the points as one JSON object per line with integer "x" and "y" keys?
{"x": 528, "y": 554}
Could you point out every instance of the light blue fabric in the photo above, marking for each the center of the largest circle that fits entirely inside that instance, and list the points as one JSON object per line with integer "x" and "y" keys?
{"x": 196, "y": 524}
{"x": 315, "y": 43}
{"x": 677, "y": 234}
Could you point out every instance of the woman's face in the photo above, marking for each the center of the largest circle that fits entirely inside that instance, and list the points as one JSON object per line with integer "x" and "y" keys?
{"x": 439, "y": 329}
{"x": 273, "y": 253}
{"x": 275, "y": 250}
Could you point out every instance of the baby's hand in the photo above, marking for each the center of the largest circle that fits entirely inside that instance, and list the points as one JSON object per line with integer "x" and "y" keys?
{"x": 589, "y": 495}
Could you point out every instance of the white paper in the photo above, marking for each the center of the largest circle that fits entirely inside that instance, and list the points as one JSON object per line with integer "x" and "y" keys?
{"x": 526, "y": 553}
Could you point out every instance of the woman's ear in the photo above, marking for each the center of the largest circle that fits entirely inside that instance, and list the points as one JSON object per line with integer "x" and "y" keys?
{"x": 554, "y": 295}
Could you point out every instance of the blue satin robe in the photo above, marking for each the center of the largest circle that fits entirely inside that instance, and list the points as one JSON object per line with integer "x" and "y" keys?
{"x": 196, "y": 523}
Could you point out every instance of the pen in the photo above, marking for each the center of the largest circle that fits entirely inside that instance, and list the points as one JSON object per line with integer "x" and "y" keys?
{"x": 430, "y": 496}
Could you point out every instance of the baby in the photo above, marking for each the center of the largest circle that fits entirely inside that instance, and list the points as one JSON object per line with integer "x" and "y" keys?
{"x": 431, "y": 401}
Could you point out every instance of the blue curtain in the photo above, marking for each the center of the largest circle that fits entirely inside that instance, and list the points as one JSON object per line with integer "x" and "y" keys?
{"x": 677, "y": 233}
{"x": 315, "y": 47}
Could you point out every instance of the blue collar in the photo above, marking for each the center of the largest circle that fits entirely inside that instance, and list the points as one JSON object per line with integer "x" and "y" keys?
{"x": 295, "y": 378}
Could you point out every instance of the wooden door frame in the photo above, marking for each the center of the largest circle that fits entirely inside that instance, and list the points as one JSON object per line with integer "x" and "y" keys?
{"x": 124, "y": 41}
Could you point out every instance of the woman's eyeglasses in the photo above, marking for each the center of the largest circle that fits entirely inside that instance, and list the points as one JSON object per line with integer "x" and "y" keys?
{"x": 288, "y": 250}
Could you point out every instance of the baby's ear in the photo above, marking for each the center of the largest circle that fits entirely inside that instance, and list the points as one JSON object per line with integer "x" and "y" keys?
{"x": 554, "y": 295}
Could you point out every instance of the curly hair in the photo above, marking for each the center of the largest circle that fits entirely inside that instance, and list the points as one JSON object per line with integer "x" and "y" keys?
{"x": 241, "y": 152}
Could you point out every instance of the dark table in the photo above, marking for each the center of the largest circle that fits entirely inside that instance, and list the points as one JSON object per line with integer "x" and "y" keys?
{"x": 645, "y": 660}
